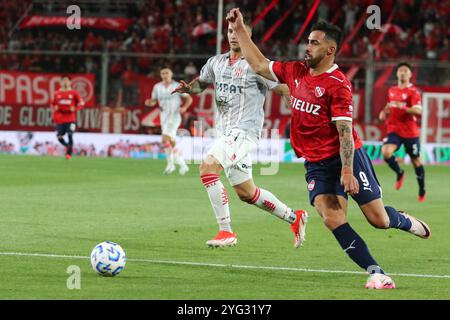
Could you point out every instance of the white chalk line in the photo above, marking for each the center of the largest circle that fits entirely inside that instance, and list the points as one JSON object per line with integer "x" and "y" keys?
{"x": 220, "y": 265}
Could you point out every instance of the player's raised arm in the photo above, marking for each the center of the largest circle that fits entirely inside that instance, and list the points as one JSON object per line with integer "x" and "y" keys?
{"x": 257, "y": 61}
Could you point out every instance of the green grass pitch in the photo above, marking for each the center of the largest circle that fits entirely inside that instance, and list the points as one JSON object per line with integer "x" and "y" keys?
{"x": 53, "y": 206}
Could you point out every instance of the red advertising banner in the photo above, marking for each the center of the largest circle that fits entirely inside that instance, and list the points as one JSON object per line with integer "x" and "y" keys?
{"x": 25, "y": 100}
{"x": 26, "y": 88}
{"x": 116, "y": 24}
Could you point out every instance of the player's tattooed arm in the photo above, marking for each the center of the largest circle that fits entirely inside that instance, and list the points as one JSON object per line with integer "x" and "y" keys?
{"x": 195, "y": 86}
{"x": 347, "y": 151}
{"x": 346, "y": 140}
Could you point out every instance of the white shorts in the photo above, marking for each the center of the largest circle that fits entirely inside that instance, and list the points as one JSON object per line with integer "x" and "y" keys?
{"x": 233, "y": 151}
{"x": 169, "y": 128}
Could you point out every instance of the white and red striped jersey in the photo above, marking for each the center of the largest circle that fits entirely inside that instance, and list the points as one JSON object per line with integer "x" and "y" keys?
{"x": 239, "y": 94}
{"x": 169, "y": 103}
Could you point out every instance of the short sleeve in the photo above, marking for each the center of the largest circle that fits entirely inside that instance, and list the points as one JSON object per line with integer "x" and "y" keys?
{"x": 207, "y": 72}
{"x": 416, "y": 98}
{"x": 283, "y": 72}
{"x": 342, "y": 103}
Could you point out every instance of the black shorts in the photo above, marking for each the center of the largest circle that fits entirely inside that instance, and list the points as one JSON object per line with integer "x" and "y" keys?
{"x": 324, "y": 177}
{"x": 412, "y": 145}
{"x": 63, "y": 128}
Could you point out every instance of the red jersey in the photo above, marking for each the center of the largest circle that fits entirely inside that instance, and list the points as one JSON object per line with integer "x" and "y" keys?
{"x": 65, "y": 106}
{"x": 316, "y": 102}
{"x": 398, "y": 121}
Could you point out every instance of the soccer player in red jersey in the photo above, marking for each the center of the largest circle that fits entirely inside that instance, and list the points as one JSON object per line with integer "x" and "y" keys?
{"x": 322, "y": 133}
{"x": 399, "y": 114}
{"x": 66, "y": 102}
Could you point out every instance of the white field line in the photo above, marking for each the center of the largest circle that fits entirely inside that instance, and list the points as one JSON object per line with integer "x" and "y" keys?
{"x": 220, "y": 265}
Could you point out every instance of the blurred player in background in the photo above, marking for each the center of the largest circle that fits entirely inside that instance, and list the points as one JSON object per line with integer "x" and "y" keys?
{"x": 322, "y": 133}
{"x": 171, "y": 106}
{"x": 239, "y": 96}
{"x": 66, "y": 103}
{"x": 404, "y": 104}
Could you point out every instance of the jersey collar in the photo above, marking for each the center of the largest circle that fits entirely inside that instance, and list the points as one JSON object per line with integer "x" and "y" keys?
{"x": 334, "y": 67}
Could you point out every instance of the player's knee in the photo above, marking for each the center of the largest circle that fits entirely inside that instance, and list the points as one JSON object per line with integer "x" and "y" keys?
{"x": 380, "y": 222}
{"x": 244, "y": 195}
{"x": 416, "y": 161}
{"x": 386, "y": 153}
{"x": 333, "y": 221}
{"x": 208, "y": 168}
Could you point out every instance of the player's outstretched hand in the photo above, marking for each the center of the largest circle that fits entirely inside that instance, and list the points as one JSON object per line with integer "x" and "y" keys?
{"x": 349, "y": 182}
{"x": 235, "y": 18}
{"x": 183, "y": 87}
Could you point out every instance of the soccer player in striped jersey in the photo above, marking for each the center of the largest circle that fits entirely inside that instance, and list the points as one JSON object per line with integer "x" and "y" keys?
{"x": 171, "y": 107}
{"x": 400, "y": 115}
{"x": 239, "y": 96}
{"x": 65, "y": 104}
{"x": 323, "y": 134}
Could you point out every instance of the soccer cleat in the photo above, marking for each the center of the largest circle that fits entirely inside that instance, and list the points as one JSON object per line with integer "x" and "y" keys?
{"x": 299, "y": 227}
{"x": 379, "y": 281}
{"x": 183, "y": 170}
{"x": 169, "y": 169}
{"x": 418, "y": 227}
{"x": 223, "y": 239}
{"x": 422, "y": 198}
{"x": 399, "y": 182}
{"x": 68, "y": 152}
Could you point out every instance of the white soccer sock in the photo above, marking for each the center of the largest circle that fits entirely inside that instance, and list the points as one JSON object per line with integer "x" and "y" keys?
{"x": 178, "y": 157}
{"x": 168, "y": 150}
{"x": 219, "y": 200}
{"x": 265, "y": 200}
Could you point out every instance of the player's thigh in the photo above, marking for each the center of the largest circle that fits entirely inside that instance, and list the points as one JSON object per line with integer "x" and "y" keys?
{"x": 369, "y": 186}
{"x": 233, "y": 153}
{"x": 412, "y": 147}
{"x": 60, "y": 130}
{"x": 324, "y": 178}
{"x": 376, "y": 214}
{"x": 332, "y": 208}
{"x": 210, "y": 165}
{"x": 390, "y": 144}
{"x": 70, "y": 128}
{"x": 169, "y": 128}
{"x": 240, "y": 170}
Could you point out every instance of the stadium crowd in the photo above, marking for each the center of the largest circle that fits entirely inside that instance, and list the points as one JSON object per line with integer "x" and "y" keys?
{"x": 188, "y": 27}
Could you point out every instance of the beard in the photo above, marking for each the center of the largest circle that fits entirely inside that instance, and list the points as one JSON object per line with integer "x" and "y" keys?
{"x": 313, "y": 62}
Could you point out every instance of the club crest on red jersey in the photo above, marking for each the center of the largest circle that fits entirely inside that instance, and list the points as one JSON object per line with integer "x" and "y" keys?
{"x": 311, "y": 185}
{"x": 319, "y": 91}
